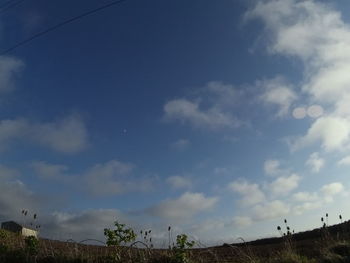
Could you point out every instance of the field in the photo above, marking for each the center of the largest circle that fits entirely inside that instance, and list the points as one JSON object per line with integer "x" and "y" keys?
{"x": 324, "y": 245}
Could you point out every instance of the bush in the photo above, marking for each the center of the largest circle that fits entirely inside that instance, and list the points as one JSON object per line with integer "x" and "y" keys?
{"x": 182, "y": 244}
{"x": 32, "y": 245}
{"x": 119, "y": 235}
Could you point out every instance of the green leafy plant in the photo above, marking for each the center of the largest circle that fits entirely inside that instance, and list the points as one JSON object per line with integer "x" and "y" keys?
{"x": 182, "y": 244}
{"x": 118, "y": 236}
{"x": 4, "y": 236}
{"x": 31, "y": 245}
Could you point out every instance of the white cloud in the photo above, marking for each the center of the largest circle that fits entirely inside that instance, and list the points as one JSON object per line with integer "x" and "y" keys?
{"x": 189, "y": 112}
{"x": 315, "y": 162}
{"x": 211, "y": 109}
{"x": 270, "y": 210}
{"x": 179, "y": 182}
{"x": 15, "y": 196}
{"x": 242, "y": 221}
{"x": 311, "y": 201}
{"x": 68, "y": 135}
{"x": 108, "y": 178}
{"x": 186, "y": 206}
{"x": 272, "y": 167}
{"x": 278, "y": 92}
{"x": 11, "y": 129}
{"x": 78, "y": 225}
{"x": 8, "y": 173}
{"x": 303, "y": 28}
{"x": 9, "y": 68}
{"x": 316, "y": 34}
{"x": 180, "y": 144}
{"x": 305, "y": 197}
{"x": 330, "y": 190}
{"x": 224, "y": 95}
{"x": 49, "y": 171}
{"x": 308, "y": 205}
{"x": 207, "y": 226}
{"x": 344, "y": 161}
{"x": 284, "y": 185}
{"x": 251, "y": 193}
{"x": 333, "y": 133}
{"x": 114, "y": 178}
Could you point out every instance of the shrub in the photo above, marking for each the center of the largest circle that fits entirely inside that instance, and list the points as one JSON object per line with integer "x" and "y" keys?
{"x": 31, "y": 245}
{"x": 182, "y": 244}
{"x": 119, "y": 235}
{"x": 4, "y": 239}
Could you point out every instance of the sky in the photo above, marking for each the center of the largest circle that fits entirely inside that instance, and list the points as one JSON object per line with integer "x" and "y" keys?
{"x": 217, "y": 118}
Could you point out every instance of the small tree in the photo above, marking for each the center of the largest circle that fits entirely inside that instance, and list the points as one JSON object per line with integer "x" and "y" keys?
{"x": 32, "y": 245}
{"x": 118, "y": 236}
{"x": 182, "y": 244}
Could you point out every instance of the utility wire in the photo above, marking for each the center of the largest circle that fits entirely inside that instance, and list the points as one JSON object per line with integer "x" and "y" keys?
{"x": 5, "y": 4}
{"x": 9, "y": 4}
{"x": 68, "y": 21}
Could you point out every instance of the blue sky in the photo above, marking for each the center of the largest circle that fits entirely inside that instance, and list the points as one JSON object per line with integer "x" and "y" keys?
{"x": 219, "y": 118}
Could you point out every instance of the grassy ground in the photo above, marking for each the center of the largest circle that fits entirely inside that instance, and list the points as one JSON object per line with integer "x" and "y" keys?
{"x": 326, "y": 246}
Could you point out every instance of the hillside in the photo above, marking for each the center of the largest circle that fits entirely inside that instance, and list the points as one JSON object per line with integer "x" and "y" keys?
{"x": 314, "y": 246}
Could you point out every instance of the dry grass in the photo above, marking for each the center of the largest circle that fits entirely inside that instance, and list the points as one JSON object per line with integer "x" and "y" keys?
{"x": 327, "y": 248}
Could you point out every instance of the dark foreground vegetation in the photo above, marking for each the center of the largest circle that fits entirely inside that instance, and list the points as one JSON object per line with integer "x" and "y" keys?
{"x": 328, "y": 244}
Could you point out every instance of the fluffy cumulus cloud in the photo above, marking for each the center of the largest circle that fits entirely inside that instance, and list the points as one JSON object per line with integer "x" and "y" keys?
{"x": 344, "y": 161}
{"x": 272, "y": 167}
{"x": 189, "y": 112}
{"x": 49, "y": 171}
{"x": 9, "y": 69}
{"x": 331, "y": 131}
{"x": 279, "y": 93}
{"x": 310, "y": 201}
{"x": 180, "y": 144}
{"x": 242, "y": 221}
{"x": 8, "y": 173}
{"x": 211, "y": 113}
{"x": 306, "y": 201}
{"x": 178, "y": 181}
{"x": 284, "y": 185}
{"x": 186, "y": 206}
{"x": 81, "y": 225}
{"x": 250, "y": 193}
{"x": 224, "y": 95}
{"x": 330, "y": 190}
{"x": 270, "y": 210}
{"x": 316, "y": 34}
{"x": 315, "y": 162}
{"x": 299, "y": 209}
{"x": 207, "y": 226}
{"x": 112, "y": 178}
{"x": 15, "y": 195}
{"x": 12, "y": 129}
{"x": 68, "y": 135}
{"x": 305, "y": 197}
{"x": 107, "y": 178}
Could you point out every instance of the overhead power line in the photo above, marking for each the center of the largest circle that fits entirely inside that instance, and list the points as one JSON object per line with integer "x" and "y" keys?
{"x": 9, "y": 4}
{"x": 63, "y": 23}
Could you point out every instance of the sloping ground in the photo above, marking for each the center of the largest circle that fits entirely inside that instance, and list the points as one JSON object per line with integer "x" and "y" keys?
{"x": 312, "y": 244}
{"x": 334, "y": 230}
